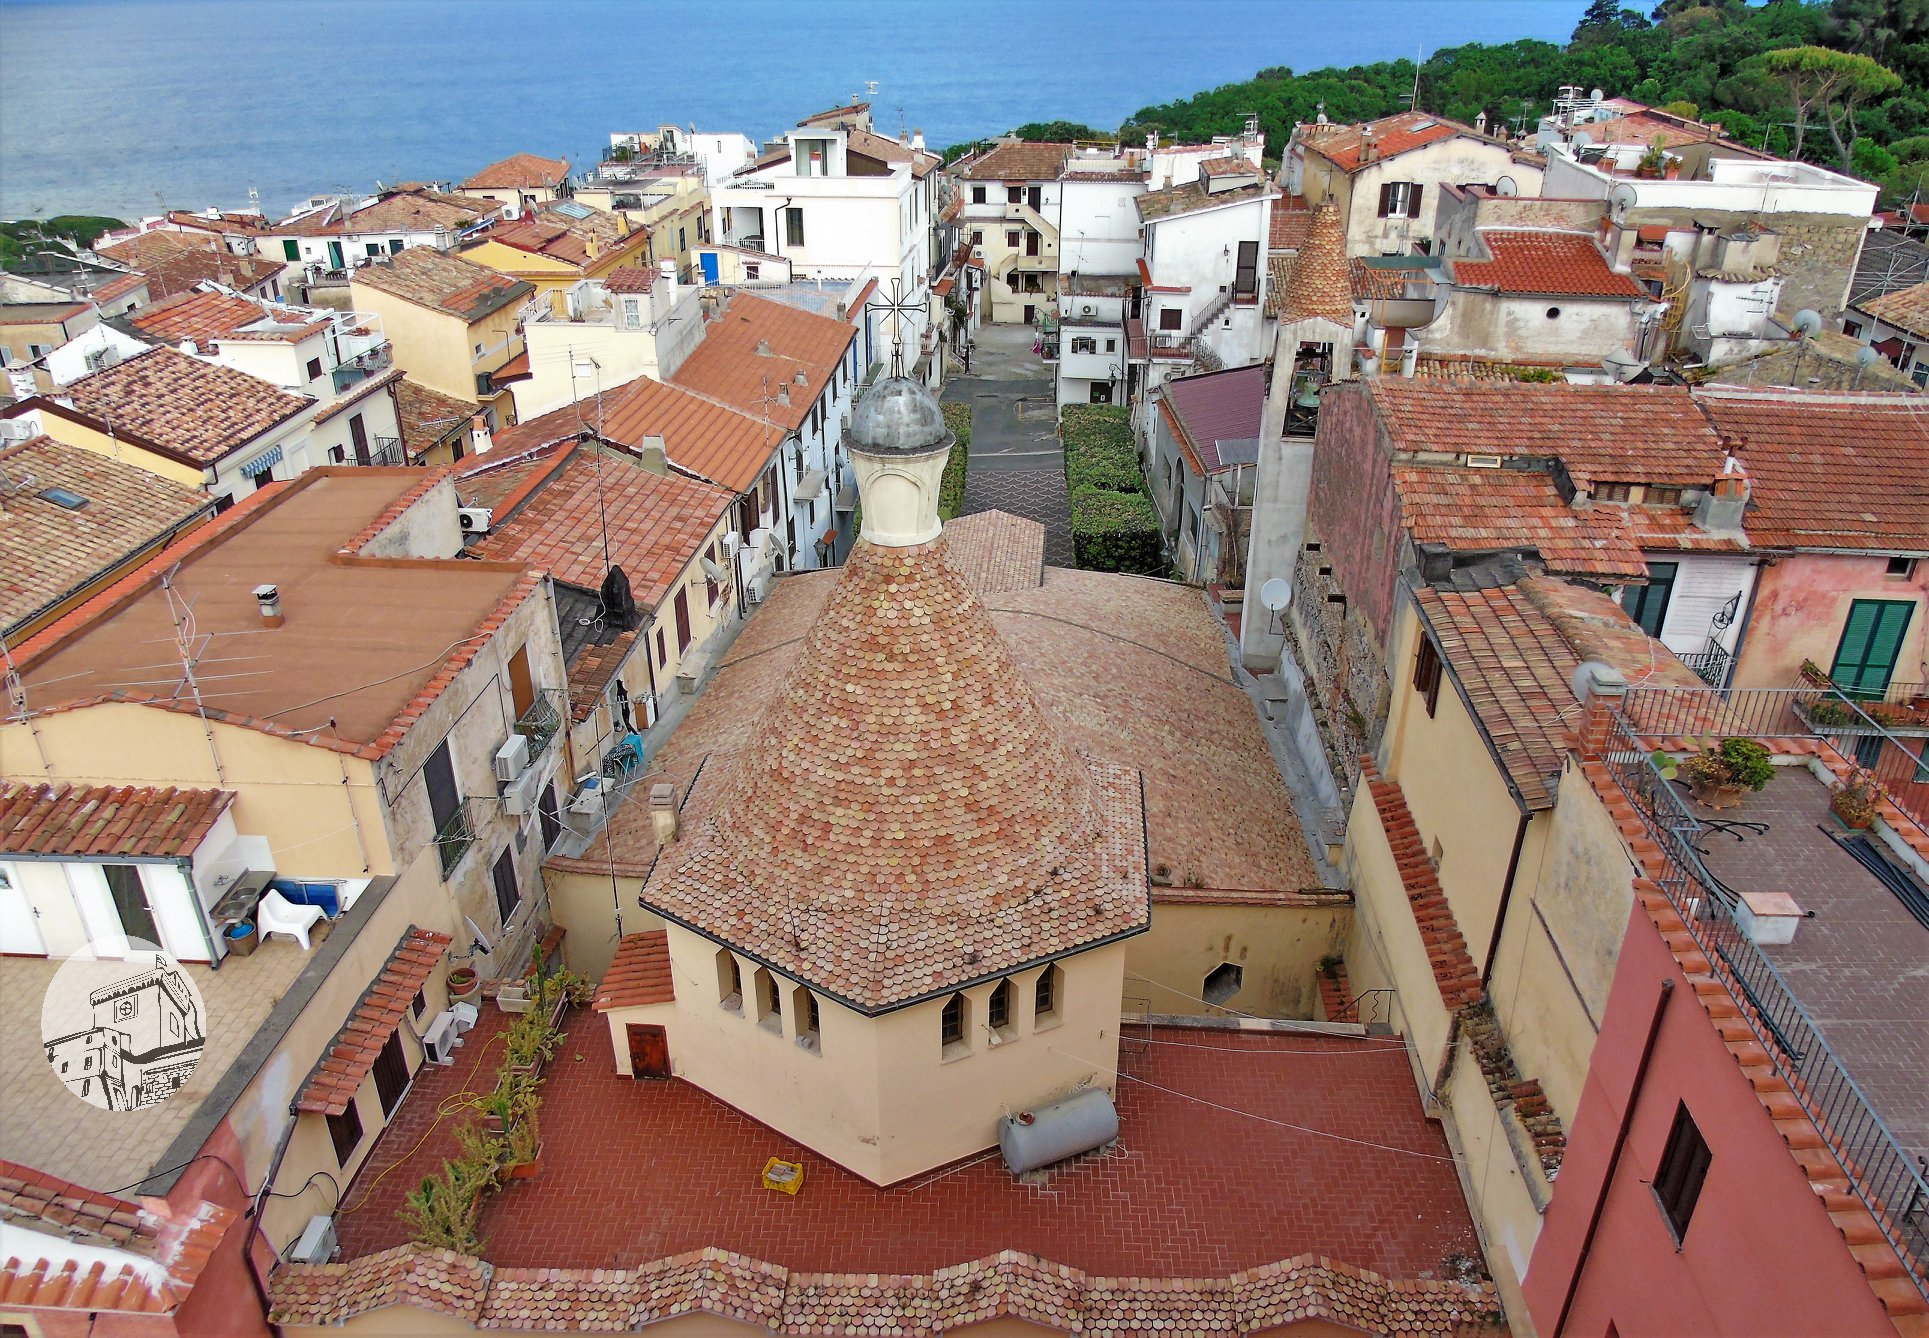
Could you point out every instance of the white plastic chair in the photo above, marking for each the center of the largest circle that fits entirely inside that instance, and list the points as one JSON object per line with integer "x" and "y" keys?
{"x": 278, "y": 915}
{"x": 465, "y": 1018}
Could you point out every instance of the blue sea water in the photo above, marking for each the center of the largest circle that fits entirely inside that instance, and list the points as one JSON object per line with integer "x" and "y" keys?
{"x": 112, "y": 106}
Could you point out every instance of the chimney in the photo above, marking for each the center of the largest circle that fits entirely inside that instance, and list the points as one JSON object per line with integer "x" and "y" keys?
{"x": 763, "y": 348}
{"x": 1601, "y": 688}
{"x": 653, "y": 457}
{"x": 593, "y": 244}
{"x": 904, "y": 138}
{"x": 1152, "y": 140}
{"x": 1369, "y": 146}
{"x": 917, "y": 138}
{"x": 1723, "y": 505}
{"x": 783, "y": 396}
{"x": 663, "y": 812}
{"x": 269, "y": 598}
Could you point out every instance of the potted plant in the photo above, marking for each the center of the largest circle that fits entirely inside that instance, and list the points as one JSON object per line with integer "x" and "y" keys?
{"x": 524, "y": 1149}
{"x": 1655, "y": 161}
{"x": 444, "y": 1210}
{"x": 1719, "y": 777}
{"x": 530, "y": 1041}
{"x": 463, "y": 982}
{"x": 1854, "y": 800}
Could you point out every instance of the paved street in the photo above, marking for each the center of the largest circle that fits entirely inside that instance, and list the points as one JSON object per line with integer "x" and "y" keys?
{"x": 1015, "y": 463}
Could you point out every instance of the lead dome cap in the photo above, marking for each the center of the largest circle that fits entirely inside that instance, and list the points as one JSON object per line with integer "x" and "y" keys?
{"x": 898, "y": 416}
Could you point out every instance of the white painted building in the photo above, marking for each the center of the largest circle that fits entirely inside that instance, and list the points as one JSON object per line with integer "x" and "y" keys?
{"x": 335, "y": 236}
{"x": 627, "y": 324}
{"x": 1204, "y": 275}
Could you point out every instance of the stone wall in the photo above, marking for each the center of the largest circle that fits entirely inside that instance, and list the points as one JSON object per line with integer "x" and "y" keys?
{"x": 1818, "y": 252}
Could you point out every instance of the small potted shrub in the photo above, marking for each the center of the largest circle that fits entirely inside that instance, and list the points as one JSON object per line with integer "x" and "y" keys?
{"x": 523, "y": 1157}
{"x": 1854, "y": 800}
{"x": 530, "y": 1041}
{"x": 463, "y": 982}
{"x": 1720, "y": 777}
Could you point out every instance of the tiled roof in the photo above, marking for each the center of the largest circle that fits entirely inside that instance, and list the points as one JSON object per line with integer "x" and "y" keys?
{"x": 1906, "y": 309}
{"x": 1319, "y": 286}
{"x": 845, "y": 111}
{"x": 1020, "y": 162}
{"x": 714, "y": 441}
{"x": 1647, "y": 434}
{"x": 907, "y": 820}
{"x": 207, "y": 315}
{"x": 1824, "y": 361}
{"x": 350, "y": 1056}
{"x": 53, "y": 819}
{"x": 1830, "y": 470}
{"x": 1012, "y": 1286}
{"x": 1290, "y": 222}
{"x": 1228, "y": 165}
{"x": 630, "y": 279}
{"x": 567, "y": 238}
{"x": 172, "y": 262}
{"x": 1479, "y": 510}
{"x": 428, "y": 416}
{"x": 429, "y": 278}
{"x": 195, "y": 411}
{"x": 150, "y": 248}
{"x": 1212, "y": 407}
{"x": 1454, "y": 973}
{"x": 639, "y": 973}
{"x": 728, "y": 366}
{"x": 415, "y": 210}
{"x": 1467, "y": 367}
{"x": 652, "y": 525}
{"x": 169, "y": 1246}
{"x": 48, "y": 551}
{"x": 519, "y": 170}
{"x": 115, "y": 289}
{"x": 1191, "y": 197}
{"x": 1558, "y": 264}
{"x": 1340, "y": 144}
{"x": 1514, "y": 649}
{"x": 1383, "y": 283}
{"x": 1279, "y": 278}
{"x": 996, "y": 552}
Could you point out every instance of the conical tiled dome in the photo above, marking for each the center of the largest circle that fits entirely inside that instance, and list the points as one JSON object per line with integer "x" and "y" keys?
{"x": 1318, "y": 285}
{"x": 907, "y": 818}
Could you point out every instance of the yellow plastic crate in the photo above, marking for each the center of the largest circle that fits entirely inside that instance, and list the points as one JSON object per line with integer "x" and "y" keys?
{"x": 786, "y": 1177}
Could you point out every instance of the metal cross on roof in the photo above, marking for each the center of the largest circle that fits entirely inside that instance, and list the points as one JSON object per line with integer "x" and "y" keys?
{"x": 899, "y": 306}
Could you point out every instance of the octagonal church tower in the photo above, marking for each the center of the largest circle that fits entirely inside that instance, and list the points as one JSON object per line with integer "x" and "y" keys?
{"x": 904, "y": 915}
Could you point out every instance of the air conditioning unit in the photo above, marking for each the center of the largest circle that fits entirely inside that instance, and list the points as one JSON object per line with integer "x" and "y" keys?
{"x": 475, "y": 519}
{"x": 519, "y": 798}
{"x": 753, "y": 595}
{"x": 15, "y": 429}
{"x": 439, "y": 1041}
{"x": 512, "y": 759}
{"x": 317, "y": 1243}
{"x": 732, "y": 543}
{"x": 1085, "y": 308}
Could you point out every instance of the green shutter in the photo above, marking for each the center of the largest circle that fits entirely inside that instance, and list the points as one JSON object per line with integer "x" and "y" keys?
{"x": 1871, "y": 644}
{"x": 291, "y": 250}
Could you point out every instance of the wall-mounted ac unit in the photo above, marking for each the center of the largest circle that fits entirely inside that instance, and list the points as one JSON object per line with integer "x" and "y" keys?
{"x": 1085, "y": 308}
{"x": 317, "y": 1243}
{"x": 512, "y": 759}
{"x": 475, "y": 519}
{"x": 519, "y": 798}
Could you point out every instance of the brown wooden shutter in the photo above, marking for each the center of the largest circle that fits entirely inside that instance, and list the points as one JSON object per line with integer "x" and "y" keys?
{"x": 1386, "y": 199}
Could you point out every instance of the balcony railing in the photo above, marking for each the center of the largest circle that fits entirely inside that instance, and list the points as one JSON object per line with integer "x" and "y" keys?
{"x": 454, "y": 837}
{"x": 1889, "y": 1182}
{"x": 542, "y": 721}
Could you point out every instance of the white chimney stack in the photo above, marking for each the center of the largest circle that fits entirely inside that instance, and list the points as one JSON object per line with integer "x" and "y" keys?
{"x": 269, "y": 598}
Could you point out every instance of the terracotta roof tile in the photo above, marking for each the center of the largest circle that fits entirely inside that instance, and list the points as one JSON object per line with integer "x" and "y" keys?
{"x": 201, "y": 316}
{"x": 415, "y": 210}
{"x": 729, "y": 366}
{"x": 195, "y": 411}
{"x": 712, "y": 440}
{"x": 350, "y": 1056}
{"x": 996, "y": 552}
{"x": 564, "y": 237}
{"x": 1454, "y": 972}
{"x": 519, "y": 170}
{"x": 1020, "y": 162}
{"x": 639, "y": 973}
{"x": 908, "y": 819}
{"x": 630, "y": 279}
{"x": 43, "y": 819}
{"x": 166, "y": 1247}
{"x": 1341, "y": 144}
{"x": 1482, "y": 510}
{"x": 429, "y": 278}
{"x": 1319, "y": 284}
{"x": 1513, "y": 651}
{"x": 48, "y": 551}
{"x": 1190, "y": 197}
{"x": 1557, "y": 264}
{"x": 428, "y": 416}
{"x": 1871, "y": 452}
{"x": 1906, "y": 309}
{"x": 654, "y": 525}
{"x": 1010, "y": 1285}
{"x": 1291, "y": 221}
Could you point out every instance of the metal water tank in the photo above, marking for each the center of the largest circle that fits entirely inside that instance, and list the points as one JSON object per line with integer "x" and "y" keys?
{"x": 1063, "y": 1128}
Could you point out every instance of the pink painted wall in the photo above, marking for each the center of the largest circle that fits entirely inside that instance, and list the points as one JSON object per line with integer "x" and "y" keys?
{"x": 1801, "y": 604}
{"x": 225, "y": 1299}
{"x": 1760, "y": 1255}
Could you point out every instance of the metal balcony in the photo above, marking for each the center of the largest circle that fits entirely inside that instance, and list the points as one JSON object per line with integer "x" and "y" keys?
{"x": 454, "y": 837}
{"x": 542, "y": 721}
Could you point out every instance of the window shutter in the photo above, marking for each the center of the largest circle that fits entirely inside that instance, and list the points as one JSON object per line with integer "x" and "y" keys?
{"x": 1386, "y": 199}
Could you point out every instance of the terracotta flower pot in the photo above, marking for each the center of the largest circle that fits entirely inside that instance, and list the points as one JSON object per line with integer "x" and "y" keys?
{"x": 525, "y": 1170}
{"x": 1855, "y": 822}
{"x": 462, "y": 983}
{"x": 1713, "y": 795}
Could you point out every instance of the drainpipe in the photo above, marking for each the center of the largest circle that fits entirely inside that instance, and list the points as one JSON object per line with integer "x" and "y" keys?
{"x": 1747, "y": 615}
{"x": 1614, "y": 1157}
{"x": 1506, "y": 895}
{"x": 261, "y": 1198}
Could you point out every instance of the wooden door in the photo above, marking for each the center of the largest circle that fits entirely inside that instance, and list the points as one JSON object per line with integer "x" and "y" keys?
{"x": 649, "y": 1051}
{"x": 391, "y": 1073}
{"x": 682, "y": 619}
{"x": 358, "y": 434}
{"x": 522, "y": 689}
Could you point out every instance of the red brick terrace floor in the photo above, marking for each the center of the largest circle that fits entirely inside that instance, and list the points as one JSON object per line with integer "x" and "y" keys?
{"x": 633, "y": 1171}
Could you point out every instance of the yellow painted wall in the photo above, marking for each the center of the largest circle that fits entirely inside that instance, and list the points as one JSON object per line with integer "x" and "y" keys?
{"x": 433, "y": 347}
{"x": 878, "y": 1095}
{"x": 1278, "y": 949}
{"x": 1497, "y": 1178}
{"x": 554, "y": 277}
{"x": 76, "y": 434}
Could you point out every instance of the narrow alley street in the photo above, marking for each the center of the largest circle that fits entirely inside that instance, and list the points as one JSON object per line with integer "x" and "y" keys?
{"x": 1015, "y": 461}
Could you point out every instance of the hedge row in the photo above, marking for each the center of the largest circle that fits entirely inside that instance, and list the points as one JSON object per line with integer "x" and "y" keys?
{"x": 951, "y": 488}
{"x": 1114, "y": 527}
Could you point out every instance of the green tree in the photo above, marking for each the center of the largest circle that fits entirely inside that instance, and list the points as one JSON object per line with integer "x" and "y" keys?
{"x": 1831, "y": 83}
{"x": 1057, "y": 132}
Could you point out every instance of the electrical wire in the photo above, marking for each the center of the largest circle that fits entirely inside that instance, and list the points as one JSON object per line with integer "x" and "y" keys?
{"x": 454, "y": 1103}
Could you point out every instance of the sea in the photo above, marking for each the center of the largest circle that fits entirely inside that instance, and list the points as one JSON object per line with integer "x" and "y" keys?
{"x": 121, "y": 107}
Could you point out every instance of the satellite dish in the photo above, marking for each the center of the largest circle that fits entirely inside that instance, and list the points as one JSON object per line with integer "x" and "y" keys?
{"x": 1621, "y": 199}
{"x": 1582, "y": 140}
{"x": 1597, "y": 96}
{"x": 1506, "y": 186}
{"x": 1808, "y": 323}
{"x": 1866, "y": 358}
{"x": 1276, "y": 594}
{"x": 713, "y": 571}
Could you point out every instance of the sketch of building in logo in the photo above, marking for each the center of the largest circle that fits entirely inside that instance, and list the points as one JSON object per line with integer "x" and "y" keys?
{"x": 145, "y": 1040}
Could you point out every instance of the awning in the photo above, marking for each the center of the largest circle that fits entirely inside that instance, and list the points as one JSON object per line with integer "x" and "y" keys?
{"x": 268, "y": 459}
{"x": 812, "y": 484}
{"x": 847, "y": 495}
